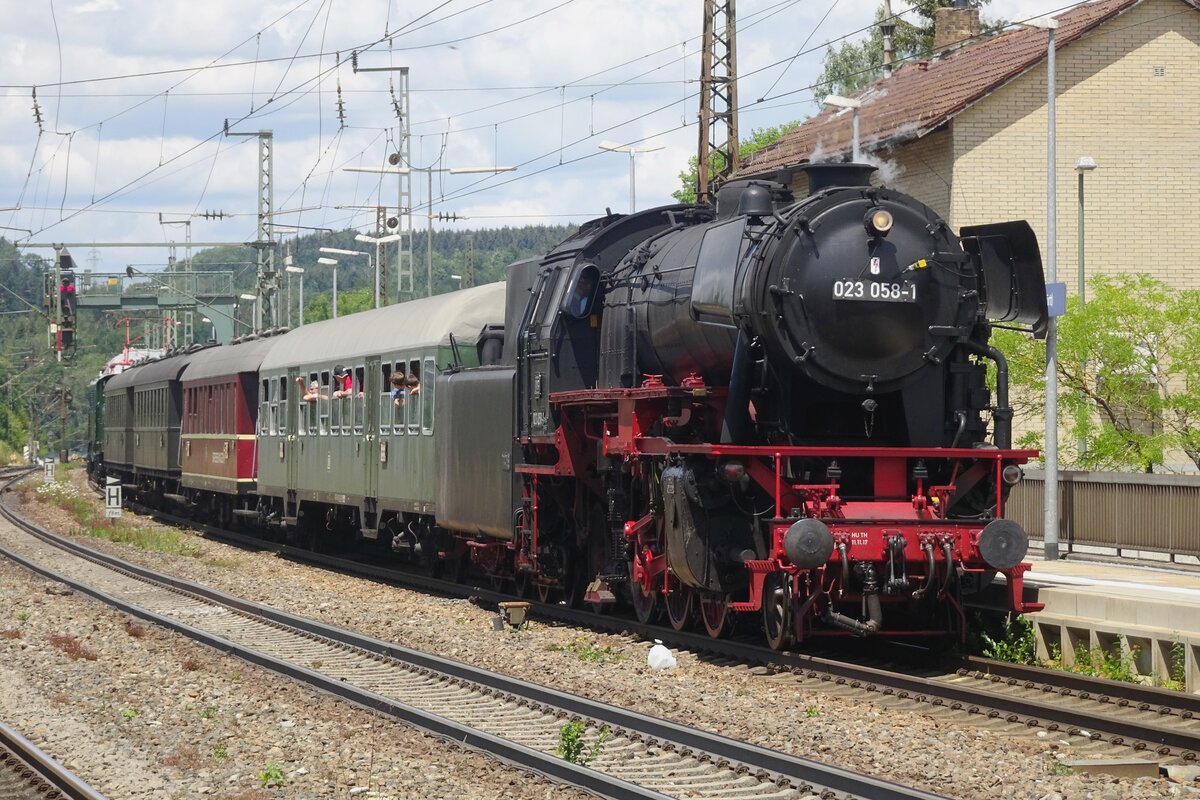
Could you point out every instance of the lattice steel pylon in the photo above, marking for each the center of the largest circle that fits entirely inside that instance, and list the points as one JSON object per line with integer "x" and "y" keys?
{"x": 266, "y": 311}
{"x": 405, "y": 289}
{"x": 718, "y": 99}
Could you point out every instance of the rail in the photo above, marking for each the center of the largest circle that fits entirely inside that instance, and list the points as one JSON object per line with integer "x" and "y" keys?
{"x": 1121, "y": 511}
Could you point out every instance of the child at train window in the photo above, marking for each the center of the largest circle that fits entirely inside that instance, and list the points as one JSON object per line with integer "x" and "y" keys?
{"x": 412, "y": 385}
{"x": 398, "y": 393}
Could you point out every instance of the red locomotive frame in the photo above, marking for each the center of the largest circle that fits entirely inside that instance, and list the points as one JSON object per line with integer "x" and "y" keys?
{"x": 616, "y": 423}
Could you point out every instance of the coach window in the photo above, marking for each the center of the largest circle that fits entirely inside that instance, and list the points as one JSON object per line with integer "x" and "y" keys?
{"x": 310, "y": 408}
{"x": 414, "y": 399}
{"x": 340, "y": 408}
{"x": 267, "y": 409}
{"x": 427, "y": 404}
{"x": 359, "y": 399}
{"x": 385, "y": 399}
{"x": 281, "y": 403}
{"x": 323, "y": 402}
{"x": 398, "y": 411}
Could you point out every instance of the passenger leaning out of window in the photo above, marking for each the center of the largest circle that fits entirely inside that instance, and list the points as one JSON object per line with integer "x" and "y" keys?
{"x": 412, "y": 385}
{"x": 398, "y": 383}
{"x": 343, "y": 385}
{"x": 311, "y": 392}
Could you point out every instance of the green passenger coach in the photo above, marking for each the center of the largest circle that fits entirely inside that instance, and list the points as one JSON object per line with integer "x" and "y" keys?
{"x": 361, "y": 460}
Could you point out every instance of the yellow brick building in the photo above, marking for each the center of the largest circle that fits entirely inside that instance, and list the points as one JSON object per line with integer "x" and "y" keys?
{"x": 966, "y": 133}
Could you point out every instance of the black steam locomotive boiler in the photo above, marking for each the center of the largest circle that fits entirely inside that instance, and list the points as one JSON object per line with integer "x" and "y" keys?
{"x": 781, "y": 409}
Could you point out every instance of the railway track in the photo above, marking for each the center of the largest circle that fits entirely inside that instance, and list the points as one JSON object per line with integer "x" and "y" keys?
{"x": 519, "y": 722}
{"x": 26, "y": 773}
{"x": 1127, "y": 717}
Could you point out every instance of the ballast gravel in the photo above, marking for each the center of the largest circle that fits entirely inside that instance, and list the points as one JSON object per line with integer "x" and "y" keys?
{"x": 185, "y": 721}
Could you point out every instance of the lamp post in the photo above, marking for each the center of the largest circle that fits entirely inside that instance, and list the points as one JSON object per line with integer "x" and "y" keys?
{"x": 1084, "y": 165}
{"x": 377, "y": 241}
{"x": 457, "y": 278}
{"x": 212, "y": 336}
{"x": 331, "y": 262}
{"x": 298, "y": 271}
{"x": 1050, "y": 522}
{"x": 398, "y": 170}
{"x": 613, "y": 147}
{"x": 837, "y": 101}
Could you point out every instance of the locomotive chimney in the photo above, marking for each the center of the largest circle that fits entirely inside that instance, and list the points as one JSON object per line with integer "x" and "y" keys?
{"x": 828, "y": 175}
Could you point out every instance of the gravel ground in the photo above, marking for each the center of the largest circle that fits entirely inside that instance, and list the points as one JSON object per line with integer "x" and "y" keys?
{"x": 906, "y": 746}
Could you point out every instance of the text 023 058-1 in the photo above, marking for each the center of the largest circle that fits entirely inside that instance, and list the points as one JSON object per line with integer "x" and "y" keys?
{"x": 872, "y": 290}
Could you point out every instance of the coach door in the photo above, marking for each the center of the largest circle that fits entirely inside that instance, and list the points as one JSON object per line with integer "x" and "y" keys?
{"x": 295, "y": 438}
{"x": 371, "y": 440}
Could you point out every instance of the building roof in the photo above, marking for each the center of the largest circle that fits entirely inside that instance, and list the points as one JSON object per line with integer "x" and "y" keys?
{"x": 922, "y": 97}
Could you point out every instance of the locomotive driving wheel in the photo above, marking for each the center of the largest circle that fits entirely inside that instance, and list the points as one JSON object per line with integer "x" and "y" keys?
{"x": 679, "y": 603}
{"x": 645, "y": 603}
{"x": 777, "y": 611}
{"x": 714, "y": 611}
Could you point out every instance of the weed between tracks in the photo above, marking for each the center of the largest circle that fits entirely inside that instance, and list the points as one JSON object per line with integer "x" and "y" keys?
{"x": 573, "y": 748}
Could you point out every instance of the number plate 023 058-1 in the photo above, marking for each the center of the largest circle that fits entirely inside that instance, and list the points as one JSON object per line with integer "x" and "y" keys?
{"x": 875, "y": 290}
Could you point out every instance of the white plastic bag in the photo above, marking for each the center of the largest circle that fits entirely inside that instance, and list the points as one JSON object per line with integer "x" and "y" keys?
{"x": 660, "y": 657}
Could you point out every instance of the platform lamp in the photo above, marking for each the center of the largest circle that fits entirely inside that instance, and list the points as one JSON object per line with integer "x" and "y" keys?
{"x": 1084, "y": 165}
{"x": 253, "y": 298}
{"x": 613, "y": 147}
{"x": 212, "y": 336}
{"x": 378, "y": 241}
{"x": 298, "y": 271}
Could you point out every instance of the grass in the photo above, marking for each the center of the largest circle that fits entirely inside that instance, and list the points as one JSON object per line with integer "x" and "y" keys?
{"x": 1016, "y": 644}
{"x": 72, "y": 647}
{"x": 129, "y": 713}
{"x": 272, "y": 775}
{"x": 90, "y": 521}
{"x": 588, "y": 652}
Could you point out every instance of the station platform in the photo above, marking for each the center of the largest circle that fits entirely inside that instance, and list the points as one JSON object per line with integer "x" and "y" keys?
{"x": 1149, "y": 611}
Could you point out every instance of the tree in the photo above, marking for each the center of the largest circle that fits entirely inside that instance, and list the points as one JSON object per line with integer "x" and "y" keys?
{"x": 759, "y": 138}
{"x": 1129, "y": 379}
{"x": 852, "y": 65}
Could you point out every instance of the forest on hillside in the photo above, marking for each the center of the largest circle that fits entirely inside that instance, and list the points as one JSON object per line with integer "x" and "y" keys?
{"x": 37, "y": 392}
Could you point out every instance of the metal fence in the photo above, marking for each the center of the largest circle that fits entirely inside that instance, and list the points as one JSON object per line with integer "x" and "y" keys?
{"x": 1124, "y": 511}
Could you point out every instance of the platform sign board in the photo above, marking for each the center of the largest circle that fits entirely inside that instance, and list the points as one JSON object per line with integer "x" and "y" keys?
{"x": 112, "y": 497}
{"x": 48, "y": 471}
{"x": 1056, "y": 299}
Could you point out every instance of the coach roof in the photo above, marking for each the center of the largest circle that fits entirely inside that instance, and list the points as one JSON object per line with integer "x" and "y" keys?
{"x": 147, "y": 372}
{"x": 229, "y": 359}
{"x": 423, "y": 323}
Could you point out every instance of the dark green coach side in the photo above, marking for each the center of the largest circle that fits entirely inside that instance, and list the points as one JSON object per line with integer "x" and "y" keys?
{"x": 362, "y": 462}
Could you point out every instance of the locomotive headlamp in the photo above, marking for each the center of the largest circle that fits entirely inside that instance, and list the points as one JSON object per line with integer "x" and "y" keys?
{"x": 1012, "y": 475}
{"x": 879, "y": 221}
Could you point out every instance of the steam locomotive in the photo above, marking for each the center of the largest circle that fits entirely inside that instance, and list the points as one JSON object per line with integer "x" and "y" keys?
{"x": 776, "y": 411}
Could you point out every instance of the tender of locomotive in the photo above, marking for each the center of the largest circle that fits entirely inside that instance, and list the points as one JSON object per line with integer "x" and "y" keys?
{"x": 779, "y": 412}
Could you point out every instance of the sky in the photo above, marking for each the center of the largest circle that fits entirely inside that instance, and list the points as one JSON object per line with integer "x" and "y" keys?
{"x": 113, "y": 113}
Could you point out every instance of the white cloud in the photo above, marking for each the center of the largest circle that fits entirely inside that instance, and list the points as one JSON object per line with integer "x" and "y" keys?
{"x": 476, "y": 100}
